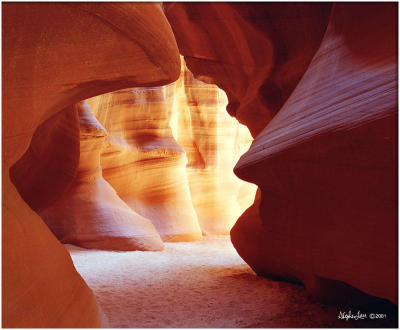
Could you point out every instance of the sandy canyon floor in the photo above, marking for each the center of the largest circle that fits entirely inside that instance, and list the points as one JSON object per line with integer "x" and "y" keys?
{"x": 201, "y": 284}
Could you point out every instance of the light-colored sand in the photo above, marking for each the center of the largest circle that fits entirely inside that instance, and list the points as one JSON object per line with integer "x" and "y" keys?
{"x": 197, "y": 285}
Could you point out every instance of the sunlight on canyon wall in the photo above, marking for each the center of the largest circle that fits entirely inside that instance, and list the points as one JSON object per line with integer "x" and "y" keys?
{"x": 169, "y": 154}
{"x": 214, "y": 142}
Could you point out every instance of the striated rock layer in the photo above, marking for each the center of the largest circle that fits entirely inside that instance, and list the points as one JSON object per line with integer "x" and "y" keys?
{"x": 255, "y": 52}
{"x": 213, "y": 142}
{"x": 143, "y": 162}
{"x": 326, "y": 165}
{"x": 51, "y": 62}
{"x": 163, "y": 140}
{"x": 90, "y": 213}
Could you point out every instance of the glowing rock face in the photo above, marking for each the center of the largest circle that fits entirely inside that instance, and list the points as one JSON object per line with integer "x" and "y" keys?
{"x": 326, "y": 163}
{"x": 55, "y": 55}
{"x": 144, "y": 163}
{"x": 161, "y": 141}
{"x": 213, "y": 141}
{"x": 90, "y": 213}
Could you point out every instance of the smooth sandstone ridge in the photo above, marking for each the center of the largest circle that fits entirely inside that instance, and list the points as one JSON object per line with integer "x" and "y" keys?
{"x": 338, "y": 130}
{"x": 50, "y": 63}
{"x": 325, "y": 212}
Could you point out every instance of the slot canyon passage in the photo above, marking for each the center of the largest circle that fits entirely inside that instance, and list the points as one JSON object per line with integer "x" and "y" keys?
{"x": 199, "y": 165}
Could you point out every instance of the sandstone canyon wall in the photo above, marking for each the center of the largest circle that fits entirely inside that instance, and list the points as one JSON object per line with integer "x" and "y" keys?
{"x": 163, "y": 140}
{"x": 256, "y": 53}
{"x": 315, "y": 84}
{"x": 143, "y": 162}
{"x": 90, "y": 213}
{"x": 326, "y": 164}
{"x": 213, "y": 141}
{"x": 50, "y": 63}
{"x": 145, "y": 165}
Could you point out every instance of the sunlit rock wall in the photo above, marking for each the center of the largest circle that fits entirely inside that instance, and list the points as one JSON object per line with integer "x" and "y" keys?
{"x": 54, "y": 56}
{"x": 143, "y": 162}
{"x": 213, "y": 142}
{"x": 317, "y": 86}
{"x": 169, "y": 154}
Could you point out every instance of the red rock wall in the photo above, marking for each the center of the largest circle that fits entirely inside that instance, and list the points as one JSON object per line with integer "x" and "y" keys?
{"x": 256, "y": 53}
{"x": 326, "y": 164}
{"x": 55, "y": 55}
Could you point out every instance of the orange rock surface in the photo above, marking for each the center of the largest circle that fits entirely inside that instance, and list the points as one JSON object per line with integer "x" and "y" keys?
{"x": 153, "y": 133}
{"x": 316, "y": 85}
{"x": 326, "y": 164}
{"x": 256, "y": 53}
{"x": 90, "y": 213}
{"x": 55, "y": 55}
{"x": 143, "y": 162}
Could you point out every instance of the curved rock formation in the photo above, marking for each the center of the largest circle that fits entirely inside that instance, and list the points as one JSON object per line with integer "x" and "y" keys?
{"x": 213, "y": 141}
{"x": 47, "y": 169}
{"x": 143, "y": 162}
{"x": 90, "y": 213}
{"x": 338, "y": 130}
{"x": 51, "y": 62}
{"x": 326, "y": 164}
{"x": 255, "y": 52}
{"x": 146, "y": 166}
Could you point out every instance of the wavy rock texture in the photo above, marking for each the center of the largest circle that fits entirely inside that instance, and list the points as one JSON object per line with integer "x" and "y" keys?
{"x": 325, "y": 214}
{"x": 213, "y": 142}
{"x": 90, "y": 213}
{"x": 51, "y": 62}
{"x": 257, "y": 73}
{"x": 143, "y": 162}
{"x": 147, "y": 167}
